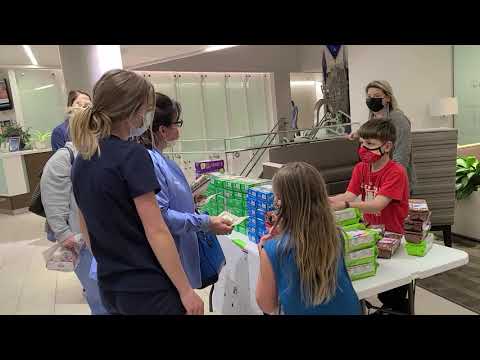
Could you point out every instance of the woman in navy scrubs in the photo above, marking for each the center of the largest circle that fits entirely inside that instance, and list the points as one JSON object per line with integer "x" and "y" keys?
{"x": 139, "y": 269}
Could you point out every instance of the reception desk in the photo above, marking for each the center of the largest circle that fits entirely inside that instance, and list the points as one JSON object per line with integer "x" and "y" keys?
{"x": 19, "y": 175}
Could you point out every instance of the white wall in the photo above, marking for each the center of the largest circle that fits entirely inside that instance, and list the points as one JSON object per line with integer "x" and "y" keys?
{"x": 417, "y": 73}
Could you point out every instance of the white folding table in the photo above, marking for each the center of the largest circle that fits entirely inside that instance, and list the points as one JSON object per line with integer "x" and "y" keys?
{"x": 235, "y": 291}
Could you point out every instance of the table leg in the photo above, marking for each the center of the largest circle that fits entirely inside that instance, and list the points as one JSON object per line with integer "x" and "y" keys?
{"x": 447, "y": 233}
{"x": 411, "y": 298}
{"x": 447, "y": 236}
{"x": 364, "y": 307}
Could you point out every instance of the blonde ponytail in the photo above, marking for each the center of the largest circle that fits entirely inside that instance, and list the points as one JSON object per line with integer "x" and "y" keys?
{"x": 87, "y": 126}
{"x": 117, "y": 96}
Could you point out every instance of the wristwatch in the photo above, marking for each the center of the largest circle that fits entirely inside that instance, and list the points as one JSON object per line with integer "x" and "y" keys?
{"x": 347, "y": 205}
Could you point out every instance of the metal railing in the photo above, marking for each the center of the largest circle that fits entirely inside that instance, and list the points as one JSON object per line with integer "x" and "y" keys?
{"x": 229, "y": 151}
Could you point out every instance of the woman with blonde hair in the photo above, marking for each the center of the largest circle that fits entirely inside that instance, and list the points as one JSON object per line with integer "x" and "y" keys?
{"x": 302, "y": 270}
{"x": 383, "y": 105}
{"x": 139, "y": 269}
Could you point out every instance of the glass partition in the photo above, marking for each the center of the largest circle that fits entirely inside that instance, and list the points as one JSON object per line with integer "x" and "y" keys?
{"x": 164, "y": 83}
{"x": 215, "y": 100}
{"x": 467, "y": 91}
{"x": 43, "y": 98}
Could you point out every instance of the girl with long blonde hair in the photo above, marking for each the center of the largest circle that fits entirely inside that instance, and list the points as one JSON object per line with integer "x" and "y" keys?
{"x": 302, "y": 270}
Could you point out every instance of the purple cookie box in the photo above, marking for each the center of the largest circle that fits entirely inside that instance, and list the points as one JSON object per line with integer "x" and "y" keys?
{"x": 202, "y": 167}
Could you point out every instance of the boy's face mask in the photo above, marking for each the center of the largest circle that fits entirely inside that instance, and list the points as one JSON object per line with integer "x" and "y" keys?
{"x": 370, "y": 156}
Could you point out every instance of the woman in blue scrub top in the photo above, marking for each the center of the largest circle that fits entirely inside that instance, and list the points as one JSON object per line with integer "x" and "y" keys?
{"x": 60, "y": 135}
{"x": 175, "y": 198}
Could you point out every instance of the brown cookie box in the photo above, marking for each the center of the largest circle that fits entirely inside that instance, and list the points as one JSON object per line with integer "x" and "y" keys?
{"x": 415, "y": 237}
{"x": 392, "y": 235}
{"x": 418, "y": 210}
{"x": 387, "y": 247}
{"x": 417, "y": 225}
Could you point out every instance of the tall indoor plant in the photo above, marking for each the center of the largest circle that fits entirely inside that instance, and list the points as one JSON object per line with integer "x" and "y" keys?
{"x": 467, "y": 176}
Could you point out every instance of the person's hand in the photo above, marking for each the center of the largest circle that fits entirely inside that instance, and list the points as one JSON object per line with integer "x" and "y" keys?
{"x": 337, "y": 205}
{"x": 69, "y": 243}
{"x": 220, "y": 226}
{"x": 264, "y": 239}
{"x": 192, "y": 303}
{"x": 352, "y": 136}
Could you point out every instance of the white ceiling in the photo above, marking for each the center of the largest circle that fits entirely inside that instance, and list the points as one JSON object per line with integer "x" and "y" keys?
{"x": 132, "y": 55}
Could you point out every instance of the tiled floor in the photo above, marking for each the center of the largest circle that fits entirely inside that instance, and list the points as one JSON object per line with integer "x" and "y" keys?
{"x": 26, "y": 287}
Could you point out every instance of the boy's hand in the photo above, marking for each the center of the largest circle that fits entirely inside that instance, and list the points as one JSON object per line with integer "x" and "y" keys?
{"x": 352, "y": 136}
{"x": 337, "y": 205}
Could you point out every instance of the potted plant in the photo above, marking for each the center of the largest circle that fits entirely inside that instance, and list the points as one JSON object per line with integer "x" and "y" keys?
{"x": 40, "y": 139}
{"x": 468, "y": 199}
{"x": 3, "y": 143}
{"x": 16, "y": 131}
{"x": 467, "y": 178}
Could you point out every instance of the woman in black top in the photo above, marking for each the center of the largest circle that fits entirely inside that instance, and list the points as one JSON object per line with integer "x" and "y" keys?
{"x": 139, "y": 269}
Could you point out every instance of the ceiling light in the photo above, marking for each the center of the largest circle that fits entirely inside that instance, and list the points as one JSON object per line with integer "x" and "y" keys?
{"x": 302, "y": 83}
{"x": 44, "y": 87}
{"x": 218, "y": 47}
{"x": 29, "y": 52}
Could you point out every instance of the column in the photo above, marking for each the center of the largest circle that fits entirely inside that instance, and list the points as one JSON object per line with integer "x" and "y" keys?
{"x": 281, "y": 99}
{"x": 83, "y": 65}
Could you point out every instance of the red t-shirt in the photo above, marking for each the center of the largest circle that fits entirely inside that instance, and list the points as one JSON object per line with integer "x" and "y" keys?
{"x": 390, "y": 181}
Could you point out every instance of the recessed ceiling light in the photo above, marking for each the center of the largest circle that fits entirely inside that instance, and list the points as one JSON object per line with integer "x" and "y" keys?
{"x": 302, "y": 82}
{"x": 44, "y": 87}
{"x": 218, "y": 47}
{"x": 29, "y": 52}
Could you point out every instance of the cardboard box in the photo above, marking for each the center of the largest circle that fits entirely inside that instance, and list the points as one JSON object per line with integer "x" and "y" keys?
{"x": 360, "y": 239}
{"x": 362, "y": 271}
{"x": 361, "y": 256}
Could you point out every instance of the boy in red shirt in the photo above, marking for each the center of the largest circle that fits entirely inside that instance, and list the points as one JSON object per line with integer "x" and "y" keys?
{"x": 383, "y": 186}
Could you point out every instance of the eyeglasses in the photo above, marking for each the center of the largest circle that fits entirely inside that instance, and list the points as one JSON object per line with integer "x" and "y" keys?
{"x": 178, "y": 123}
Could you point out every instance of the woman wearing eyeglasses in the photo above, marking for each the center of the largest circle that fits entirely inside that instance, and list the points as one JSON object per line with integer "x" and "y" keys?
{"x": 60, "y": 135}
{"x": 175, "y": 198}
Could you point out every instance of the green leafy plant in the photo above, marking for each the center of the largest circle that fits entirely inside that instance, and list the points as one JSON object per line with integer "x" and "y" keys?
{"x": 467, "y": 176}
{"x": 41, "y": 136}
{"x": 17, "y": 131}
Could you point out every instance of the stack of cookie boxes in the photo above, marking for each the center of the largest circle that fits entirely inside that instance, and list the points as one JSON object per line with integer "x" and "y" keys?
{"x": 360, "y": 248}
{"x": 417, "y": 226}
{"x": 230, "y": 195}
{"x": 260, "y": 201}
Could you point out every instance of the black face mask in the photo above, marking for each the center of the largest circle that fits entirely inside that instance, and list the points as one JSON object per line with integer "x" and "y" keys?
{"x": 374, "y": 104}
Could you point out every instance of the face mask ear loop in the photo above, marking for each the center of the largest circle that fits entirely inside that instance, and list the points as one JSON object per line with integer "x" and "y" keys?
{"x": 152, "y": 138}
